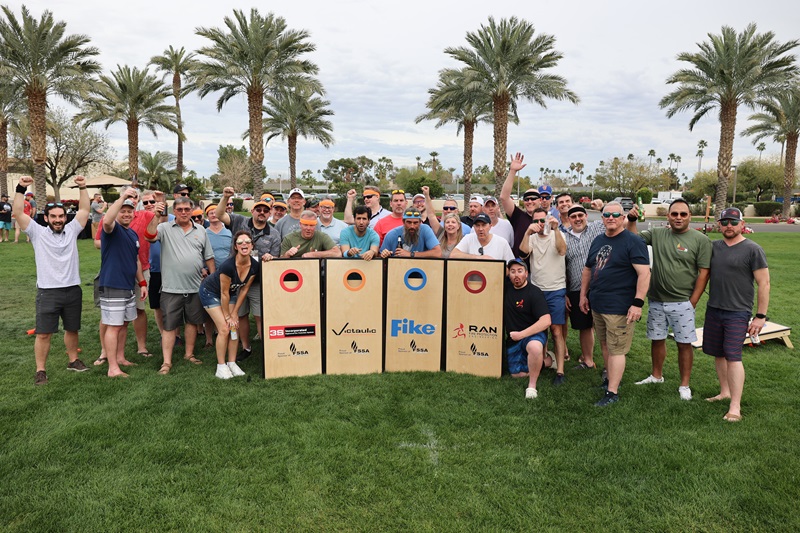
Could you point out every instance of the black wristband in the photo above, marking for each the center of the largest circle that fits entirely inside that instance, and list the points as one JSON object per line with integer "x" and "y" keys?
{"x": 21, "y": 189}
{"x": 637, "y": 302}
{"x": 761, "y": 316}
{"x": 632, "y": 218}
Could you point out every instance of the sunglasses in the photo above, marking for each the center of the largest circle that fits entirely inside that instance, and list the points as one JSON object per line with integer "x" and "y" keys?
{"x": 398, "y": 191}
{"x": 183, "y": 194}
{"x": 369, "y": 197}
{"x": 728, "y": 221}
{"x": 449, "y": 208}
{"x": 480, "y": 250}
{"x": 609, "y": 215}
{"x": 540, "y": 220}
{"x": 244, "y": 241}
{"x": 183, "y": 210}
{"x": 577, "y": 215}
{"x": 55, "y": 204}
{"x": 545, "y": 197}
{"x": 148, "y": 202}
{"x": 230, "y": 205}
{"x": 198, "y": 218}
{"x": 529, "y": 199}
{"x": 413, "y": 213}
{"x": 261, "y": 210}
{"x": 684, "y": 214}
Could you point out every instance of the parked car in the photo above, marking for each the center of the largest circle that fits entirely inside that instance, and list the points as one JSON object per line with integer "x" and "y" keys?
{"x": 625, "y": 202}
{"x": 655, "y": 201}
{"x": 585, "y": 200}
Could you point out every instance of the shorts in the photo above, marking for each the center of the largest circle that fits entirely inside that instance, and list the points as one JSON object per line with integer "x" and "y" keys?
{"x": 181, "y": 308}
{"x": 556, "y": 302}
{"x": 154, "y": 290}
{"x": 724, "y": 333}
{"x": 252, "y": 302}
{"x": 517, "y": 353}
{"x": 117, "y": 306}
{"x": 64, "y": 303}
{"x": 5, "y": 225}
{"x": 208, "y": 299}
{"x": 577, "y": 318}
{"x": 615, "y": 331}
{"x": 139, "y": 301}
{"x": 678, "y": 315}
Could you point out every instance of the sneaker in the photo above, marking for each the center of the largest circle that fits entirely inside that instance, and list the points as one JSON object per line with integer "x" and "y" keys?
{"x": 685, "y": 392}
{"x": 531, "y": 393}
{"x": 77, "y": 366}
{"x": 552, "y": 356}
{"x": 223, "y": 372}
{"x": 257, "y": 337}
{"x": 608, "y": 399}
{"x": 244, "y": 354}
{"x": 41, "y": 378}
{"x": 604, "y": 384}
{"x": 650, "y": 379}
{"x": 235, "y": 370}
{"x": 559, "y": 380}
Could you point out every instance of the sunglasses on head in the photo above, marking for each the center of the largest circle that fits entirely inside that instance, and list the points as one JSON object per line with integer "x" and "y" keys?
{"x": 244, "y": 241}
{"x": 615, "y": 215}
{"x": 55, "y": 204}
{"x": 398, "y": 191}
{"x": 729, "y": 221}
{"x": 148, "y": 202}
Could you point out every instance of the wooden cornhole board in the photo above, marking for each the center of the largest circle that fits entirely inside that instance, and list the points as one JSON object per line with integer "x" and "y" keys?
{"x": 474, "y": 332}
{"x": 291, "y": 294}
{"x": 770, "y": 331}
{"x": 414, "y": 305}
{"x": 353, "y": 316}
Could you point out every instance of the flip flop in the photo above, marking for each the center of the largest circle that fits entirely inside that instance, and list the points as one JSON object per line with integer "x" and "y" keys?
{"x": 194, "y": 360}
{"x": 144, "y": 354}
{"x": 732, "y": 418}
{"x": 100, "y": 361}
{"x": 716, "y": 399}
{"x": 584, "y": 366}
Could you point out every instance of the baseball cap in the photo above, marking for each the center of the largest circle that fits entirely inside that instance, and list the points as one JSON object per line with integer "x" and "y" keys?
{"x": 267, "y": 197}
{"x": 476, "y": 199}
{"x": 545, "y": 189}
{"x": 260, "y": 202}
{"x": 29, "y": 193}
{"x": 279, "y": 203}
{"x": 730, "y": 213}
{"x": 297, "y": 191}
{"x": 418, "y": 195}
{"x": 517, "y": 261}
{"x": 129, "y": 203}
{"x": 482, "y": 218}
{"x": 181, "y": 186}
{"x": 576, "y": 209}
{"x": 530, "y": 194}
{"x": 490, "y": 199}
{"x": 411, "y": 214}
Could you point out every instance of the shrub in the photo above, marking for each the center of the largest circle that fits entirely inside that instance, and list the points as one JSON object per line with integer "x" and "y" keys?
{"x": 767, "y": 209}
{"x": 645, "y": 194}
{"x": 237, "y": 204}
{"x": 661, "y": 211}
{"x": 691, "y": 197}
{"x": 699, "y": 210}
{"x": 741, "y": 206}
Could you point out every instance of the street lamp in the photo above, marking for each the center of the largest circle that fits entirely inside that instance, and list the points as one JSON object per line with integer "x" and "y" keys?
{"x": 735, "y": 174}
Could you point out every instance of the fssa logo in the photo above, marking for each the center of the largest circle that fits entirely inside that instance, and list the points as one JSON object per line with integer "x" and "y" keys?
{"x": 409, "y": 327}
{"x": 356, "y": 349}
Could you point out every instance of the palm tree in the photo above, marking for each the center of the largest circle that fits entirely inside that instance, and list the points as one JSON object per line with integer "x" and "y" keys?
{"x": 506, "y": 62}
{"x": 10, "y": 109}
{"x": 729, "y": 70}
{"x": 700, "y": 153}
{"x": 761, "y": 147}
{"x": 254, "y": 56}
{"x": 651, "y": 154}
{"x": 158, "y": 170}
{"x": 781, "y": 116}
{"x": 181, "y": 66}
{"x": 40, "y": 59}
{"x": 297, "y": 112}
{"x": 135, "y": 98}
{"x": 454, "y": 100}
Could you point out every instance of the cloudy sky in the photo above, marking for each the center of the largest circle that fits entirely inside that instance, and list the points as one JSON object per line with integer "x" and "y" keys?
{"x": 378, "y": 59}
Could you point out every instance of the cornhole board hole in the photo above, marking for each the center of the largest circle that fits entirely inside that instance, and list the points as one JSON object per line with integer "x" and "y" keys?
{"x": 771, "y": 331}
{"x": 414, "y": 305}
{"x": 291, "y": 294}
{"x": 353, "y": 316}
{"x": 474, "y": 310}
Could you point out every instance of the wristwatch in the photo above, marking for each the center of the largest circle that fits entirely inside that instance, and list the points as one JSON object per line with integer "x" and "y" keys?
{"x": 413, "y": 253}
{"x": 761, "y": 316}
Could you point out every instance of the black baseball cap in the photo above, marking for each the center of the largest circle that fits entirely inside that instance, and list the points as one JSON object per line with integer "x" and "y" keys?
{"x": 483, "y": 218}
{"x": 731, "y": 213}
{"x": 180, "y": 187}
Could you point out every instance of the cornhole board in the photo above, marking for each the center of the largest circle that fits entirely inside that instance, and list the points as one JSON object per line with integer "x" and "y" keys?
{"x": 474, "y": 311}
{"x": 770, "y": 331}
{"x": 353, "y": 316}
{"x": 291, "y": 297}
{"x": 414, "y": 306}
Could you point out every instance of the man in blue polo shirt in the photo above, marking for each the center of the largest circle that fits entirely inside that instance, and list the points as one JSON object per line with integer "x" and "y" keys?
{"x": 412, "y": 239}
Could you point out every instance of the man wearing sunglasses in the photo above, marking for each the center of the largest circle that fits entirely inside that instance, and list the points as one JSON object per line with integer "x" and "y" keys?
{"x": 681, "y": 262}
{"x": 520, "y": 219}
{"x": 58, "y": 282}
{"x": 291, "y": 222}
{"x": 481, "y": 244}
{"x": 736, "y": 262}
{"x": 395, "y": 219}
{"x": 329, "y": 224}
{"x": 372, "y": 200}
{"x": 449, "y": 206}
{"x": 615, "y": 280}
{"x": 412, "y": 239}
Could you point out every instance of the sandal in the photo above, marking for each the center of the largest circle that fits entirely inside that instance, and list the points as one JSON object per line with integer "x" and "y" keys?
{"x": 194, "y": 360}
{"x": 144, "y": 353}
{"x": 732, "y": 418}
{"x": 100, "y": 361}
{"x": 165, "y": 368}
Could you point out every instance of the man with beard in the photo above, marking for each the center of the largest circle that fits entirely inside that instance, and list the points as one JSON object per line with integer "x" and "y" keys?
{"x": 266, "y": 246}
{"x": 58, "y": 279}
{"x": 615, "y": 280}
{"x": 395, "y": 219}
{"x": 526, "y": 318}
{"x": 359, "y": 240}
{"x": 120, "y": 272}
{"x": 308, "y": 242}
{"x": 681, "y": 262}
{"x": 475, "y": 208}
{"x": 412, "y": 239}
{"x": 481, "y": 244}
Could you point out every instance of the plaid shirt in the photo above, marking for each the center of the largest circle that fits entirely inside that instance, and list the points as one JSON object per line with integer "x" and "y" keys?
{"x": 578, "y": 245}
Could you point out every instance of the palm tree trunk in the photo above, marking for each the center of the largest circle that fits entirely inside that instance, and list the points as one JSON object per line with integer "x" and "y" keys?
{"x": 293, "y": 160}
{"x": 788, "y": 172}
{"x": 469, "y": 140}
{"x": 727, "y": 119}
{"x": 4, "y": 157}
{"x": 176, "y": 90}
{"x": 133, "y": 149}
{"x": 500, "y": 109}
{"x": 255, "y": 102}
{"x": 37, "y": 106}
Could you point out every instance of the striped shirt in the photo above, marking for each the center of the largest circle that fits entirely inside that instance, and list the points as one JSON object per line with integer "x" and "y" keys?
{"x": 578, "y": 245}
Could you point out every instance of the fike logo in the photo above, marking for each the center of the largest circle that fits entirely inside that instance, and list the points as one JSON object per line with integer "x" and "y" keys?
{"x": 409, "y": 327}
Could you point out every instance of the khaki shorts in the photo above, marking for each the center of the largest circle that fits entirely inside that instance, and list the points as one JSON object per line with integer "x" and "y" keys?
{"x": 615, "y": 331}
{"x": 139, "y": 302}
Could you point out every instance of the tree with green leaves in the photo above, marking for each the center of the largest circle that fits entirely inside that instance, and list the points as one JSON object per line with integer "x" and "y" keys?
{"x": 626, "y": 176}
{"x": 761, "y": 147}
{"x": 135, "y": 98}
{"x": 158, "y": 170}
{"x": 507, "y": 61}
{"x": 254, "y": 55}
{"x": 40, "y": 59}
{"x": 730, "y": 69}
{"x": 180, "y": 66}
{"x": 780, "y": 115}
{"x": 297, "y": 112}
{"x": 11, "y": 108}
{"x": 759, "y": 177}
{"x": 702, "y": 145}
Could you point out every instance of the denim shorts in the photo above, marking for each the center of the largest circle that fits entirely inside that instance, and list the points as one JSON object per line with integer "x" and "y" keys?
{"x": 557, "y": 303}
{"x": 208, "y": 299}
{"x": 518, "y": 352}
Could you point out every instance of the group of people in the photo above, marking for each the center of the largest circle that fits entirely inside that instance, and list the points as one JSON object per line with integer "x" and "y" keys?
{"x": 200, "y": 268}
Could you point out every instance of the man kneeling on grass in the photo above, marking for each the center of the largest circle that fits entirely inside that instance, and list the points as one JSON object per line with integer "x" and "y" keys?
{"x": 526, "y": 317}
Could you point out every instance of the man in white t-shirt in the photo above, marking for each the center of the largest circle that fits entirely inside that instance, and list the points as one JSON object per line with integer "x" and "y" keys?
{"x": 500, "y": 226}
{"x": 481, "y": 244}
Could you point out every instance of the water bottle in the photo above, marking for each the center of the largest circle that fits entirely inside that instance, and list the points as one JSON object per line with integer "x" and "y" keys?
{"x": 399, "y": 243}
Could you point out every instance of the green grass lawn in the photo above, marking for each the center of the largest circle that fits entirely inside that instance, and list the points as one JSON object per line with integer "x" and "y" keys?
{"x": 414, "y": 452}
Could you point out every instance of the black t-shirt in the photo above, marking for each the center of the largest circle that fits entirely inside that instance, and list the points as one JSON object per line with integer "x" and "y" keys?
{"x": 523, "y": 307}
{"x": 466, "y": 219}
{"x": 5, "y": 212}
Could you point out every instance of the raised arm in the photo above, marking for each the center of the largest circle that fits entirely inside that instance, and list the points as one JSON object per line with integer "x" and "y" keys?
{"x": 18, "y": 207}
{"x": 222, "y": 214}
{"x": 84, "y": 204}
{"x": 432, "y": 220}
{"x": 505, "y": 194}
{"x": 348, "y": 207}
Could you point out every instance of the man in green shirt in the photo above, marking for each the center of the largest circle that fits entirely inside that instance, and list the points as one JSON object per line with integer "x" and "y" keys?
{"x": 681, "y": 263}
{"x": 308, "y": 242}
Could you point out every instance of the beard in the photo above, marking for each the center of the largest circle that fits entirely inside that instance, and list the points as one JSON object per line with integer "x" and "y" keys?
{"x": 410, "y": 237}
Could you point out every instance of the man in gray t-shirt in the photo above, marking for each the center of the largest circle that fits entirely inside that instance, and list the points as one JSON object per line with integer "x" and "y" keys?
{"x": 96, "y": 210}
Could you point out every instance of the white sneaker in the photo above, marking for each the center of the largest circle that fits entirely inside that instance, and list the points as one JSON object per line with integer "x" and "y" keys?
{"x": 554, "y": 364}
{"x": 685, "y": 392}
{"x": 650, "y": 379}
{"x": 531, "y": 393}
{"x": 223, "y": 372}
{"x": 235, "y": 370}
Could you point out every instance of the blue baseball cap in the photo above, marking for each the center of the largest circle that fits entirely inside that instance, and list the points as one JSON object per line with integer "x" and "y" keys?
{"x": 517, "y": 261}
{"x": 546, "y": 189}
